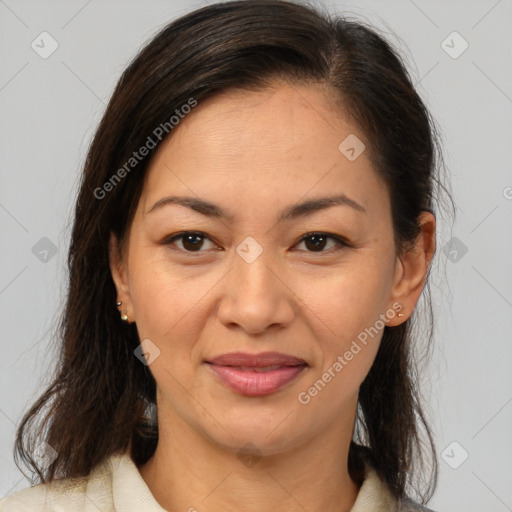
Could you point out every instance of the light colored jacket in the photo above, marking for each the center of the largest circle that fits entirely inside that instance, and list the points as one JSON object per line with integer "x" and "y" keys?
{"x": 117, "y": 486}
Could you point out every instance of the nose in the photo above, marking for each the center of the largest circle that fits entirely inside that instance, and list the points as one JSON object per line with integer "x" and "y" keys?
{"x": 256, "y": 296}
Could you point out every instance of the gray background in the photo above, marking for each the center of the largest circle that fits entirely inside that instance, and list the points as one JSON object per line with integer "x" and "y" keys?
{"x": 49, "y": 109}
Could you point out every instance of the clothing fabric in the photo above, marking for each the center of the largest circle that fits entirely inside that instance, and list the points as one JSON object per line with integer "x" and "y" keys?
{"x": 117, "y": 486}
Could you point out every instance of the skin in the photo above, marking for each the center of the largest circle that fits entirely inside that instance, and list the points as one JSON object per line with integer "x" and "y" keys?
{"x": 254, "y": 154}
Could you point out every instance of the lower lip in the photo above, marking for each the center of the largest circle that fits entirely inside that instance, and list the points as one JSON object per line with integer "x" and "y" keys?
{"x": 251, "y": 383}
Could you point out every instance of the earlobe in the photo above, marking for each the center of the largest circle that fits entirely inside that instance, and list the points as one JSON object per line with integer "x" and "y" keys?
{"x": 412, "y": 268}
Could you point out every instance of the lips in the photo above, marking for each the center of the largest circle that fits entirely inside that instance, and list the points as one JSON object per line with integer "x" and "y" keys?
{"x": 256, "y": 374}
{"x": 264, "y": 359}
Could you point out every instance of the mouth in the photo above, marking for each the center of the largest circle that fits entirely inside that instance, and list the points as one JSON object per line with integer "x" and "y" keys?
{"x": 256, "y": 374}
{"x": 261, "y": 360}
{"x": 260, "y": 369}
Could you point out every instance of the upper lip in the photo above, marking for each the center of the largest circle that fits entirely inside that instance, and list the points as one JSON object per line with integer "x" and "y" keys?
{"x": 256, "y": 360}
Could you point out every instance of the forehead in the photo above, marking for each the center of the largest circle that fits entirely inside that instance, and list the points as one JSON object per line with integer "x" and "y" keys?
{"x": 280, "y": 141}
{"x": 276, "y": 119}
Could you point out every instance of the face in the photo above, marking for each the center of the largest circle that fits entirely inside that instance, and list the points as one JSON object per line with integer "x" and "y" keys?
{"x": 259, "y": 259}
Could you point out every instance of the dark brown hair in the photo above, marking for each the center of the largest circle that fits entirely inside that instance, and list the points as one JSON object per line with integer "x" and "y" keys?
{"x": 99, "y": 402}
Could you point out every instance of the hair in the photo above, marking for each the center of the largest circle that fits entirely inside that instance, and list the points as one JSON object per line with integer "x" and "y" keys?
{"x": 100, "y": 396}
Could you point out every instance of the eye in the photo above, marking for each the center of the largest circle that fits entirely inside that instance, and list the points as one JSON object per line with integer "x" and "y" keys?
{"x": 317, "y": 242}
{"x": 190, "y": 241}
{"x": 194, "y": 241}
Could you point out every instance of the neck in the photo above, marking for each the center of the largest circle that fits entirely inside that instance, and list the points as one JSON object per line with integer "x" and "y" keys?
{"x": 189, "y": 471}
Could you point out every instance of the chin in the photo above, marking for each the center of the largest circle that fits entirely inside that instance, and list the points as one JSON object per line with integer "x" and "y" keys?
{"x": 257, "y": 438}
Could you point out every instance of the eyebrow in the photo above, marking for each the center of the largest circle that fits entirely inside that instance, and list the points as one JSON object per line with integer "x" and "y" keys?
{"x": 290, "y": 213}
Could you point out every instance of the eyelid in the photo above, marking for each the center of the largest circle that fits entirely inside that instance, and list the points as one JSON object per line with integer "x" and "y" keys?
{"x": 168, "y": 240}
{"x": 340, "y": 241}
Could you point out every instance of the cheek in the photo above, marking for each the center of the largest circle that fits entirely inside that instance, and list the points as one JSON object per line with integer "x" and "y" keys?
{"x": 167, "y": 310}
{"x": 348, "y": 331}
{"x": 345, "y": 311}
{"x": 165, "y": 299}
{"x": 346, "y": 300}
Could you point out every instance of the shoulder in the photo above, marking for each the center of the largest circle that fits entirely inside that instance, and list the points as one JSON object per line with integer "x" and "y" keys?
{"x": 408, "y": 505}
{"x": 46, "y": 497}
{"x": 374, "y": 493}
{"x": 77, "y": 494}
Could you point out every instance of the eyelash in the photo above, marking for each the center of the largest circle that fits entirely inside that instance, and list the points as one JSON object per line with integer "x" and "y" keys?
{"x": 341, "y": 243}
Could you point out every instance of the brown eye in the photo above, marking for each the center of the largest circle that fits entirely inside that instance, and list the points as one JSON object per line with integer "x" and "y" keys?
{"x": 317, "y": 242}
{"x": 190, "y": 241}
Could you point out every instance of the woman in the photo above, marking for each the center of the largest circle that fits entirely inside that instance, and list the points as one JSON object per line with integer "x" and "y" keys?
{"x": 253, "y": 232}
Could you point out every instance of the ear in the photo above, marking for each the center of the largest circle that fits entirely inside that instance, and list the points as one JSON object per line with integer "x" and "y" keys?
{"x": 119, "y": 274}
{"x": 412, "y": 267}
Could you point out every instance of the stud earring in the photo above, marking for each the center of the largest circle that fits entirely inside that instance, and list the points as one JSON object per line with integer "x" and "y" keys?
{"x": 400, "y": 314}
{"x": 124, "y": 316}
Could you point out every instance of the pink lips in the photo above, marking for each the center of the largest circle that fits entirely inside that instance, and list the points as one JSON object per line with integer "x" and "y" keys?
{"x": 256, "y": 374}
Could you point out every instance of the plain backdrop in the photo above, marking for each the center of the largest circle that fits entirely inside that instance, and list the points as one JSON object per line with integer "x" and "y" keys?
{"x": 459, "y": 54}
